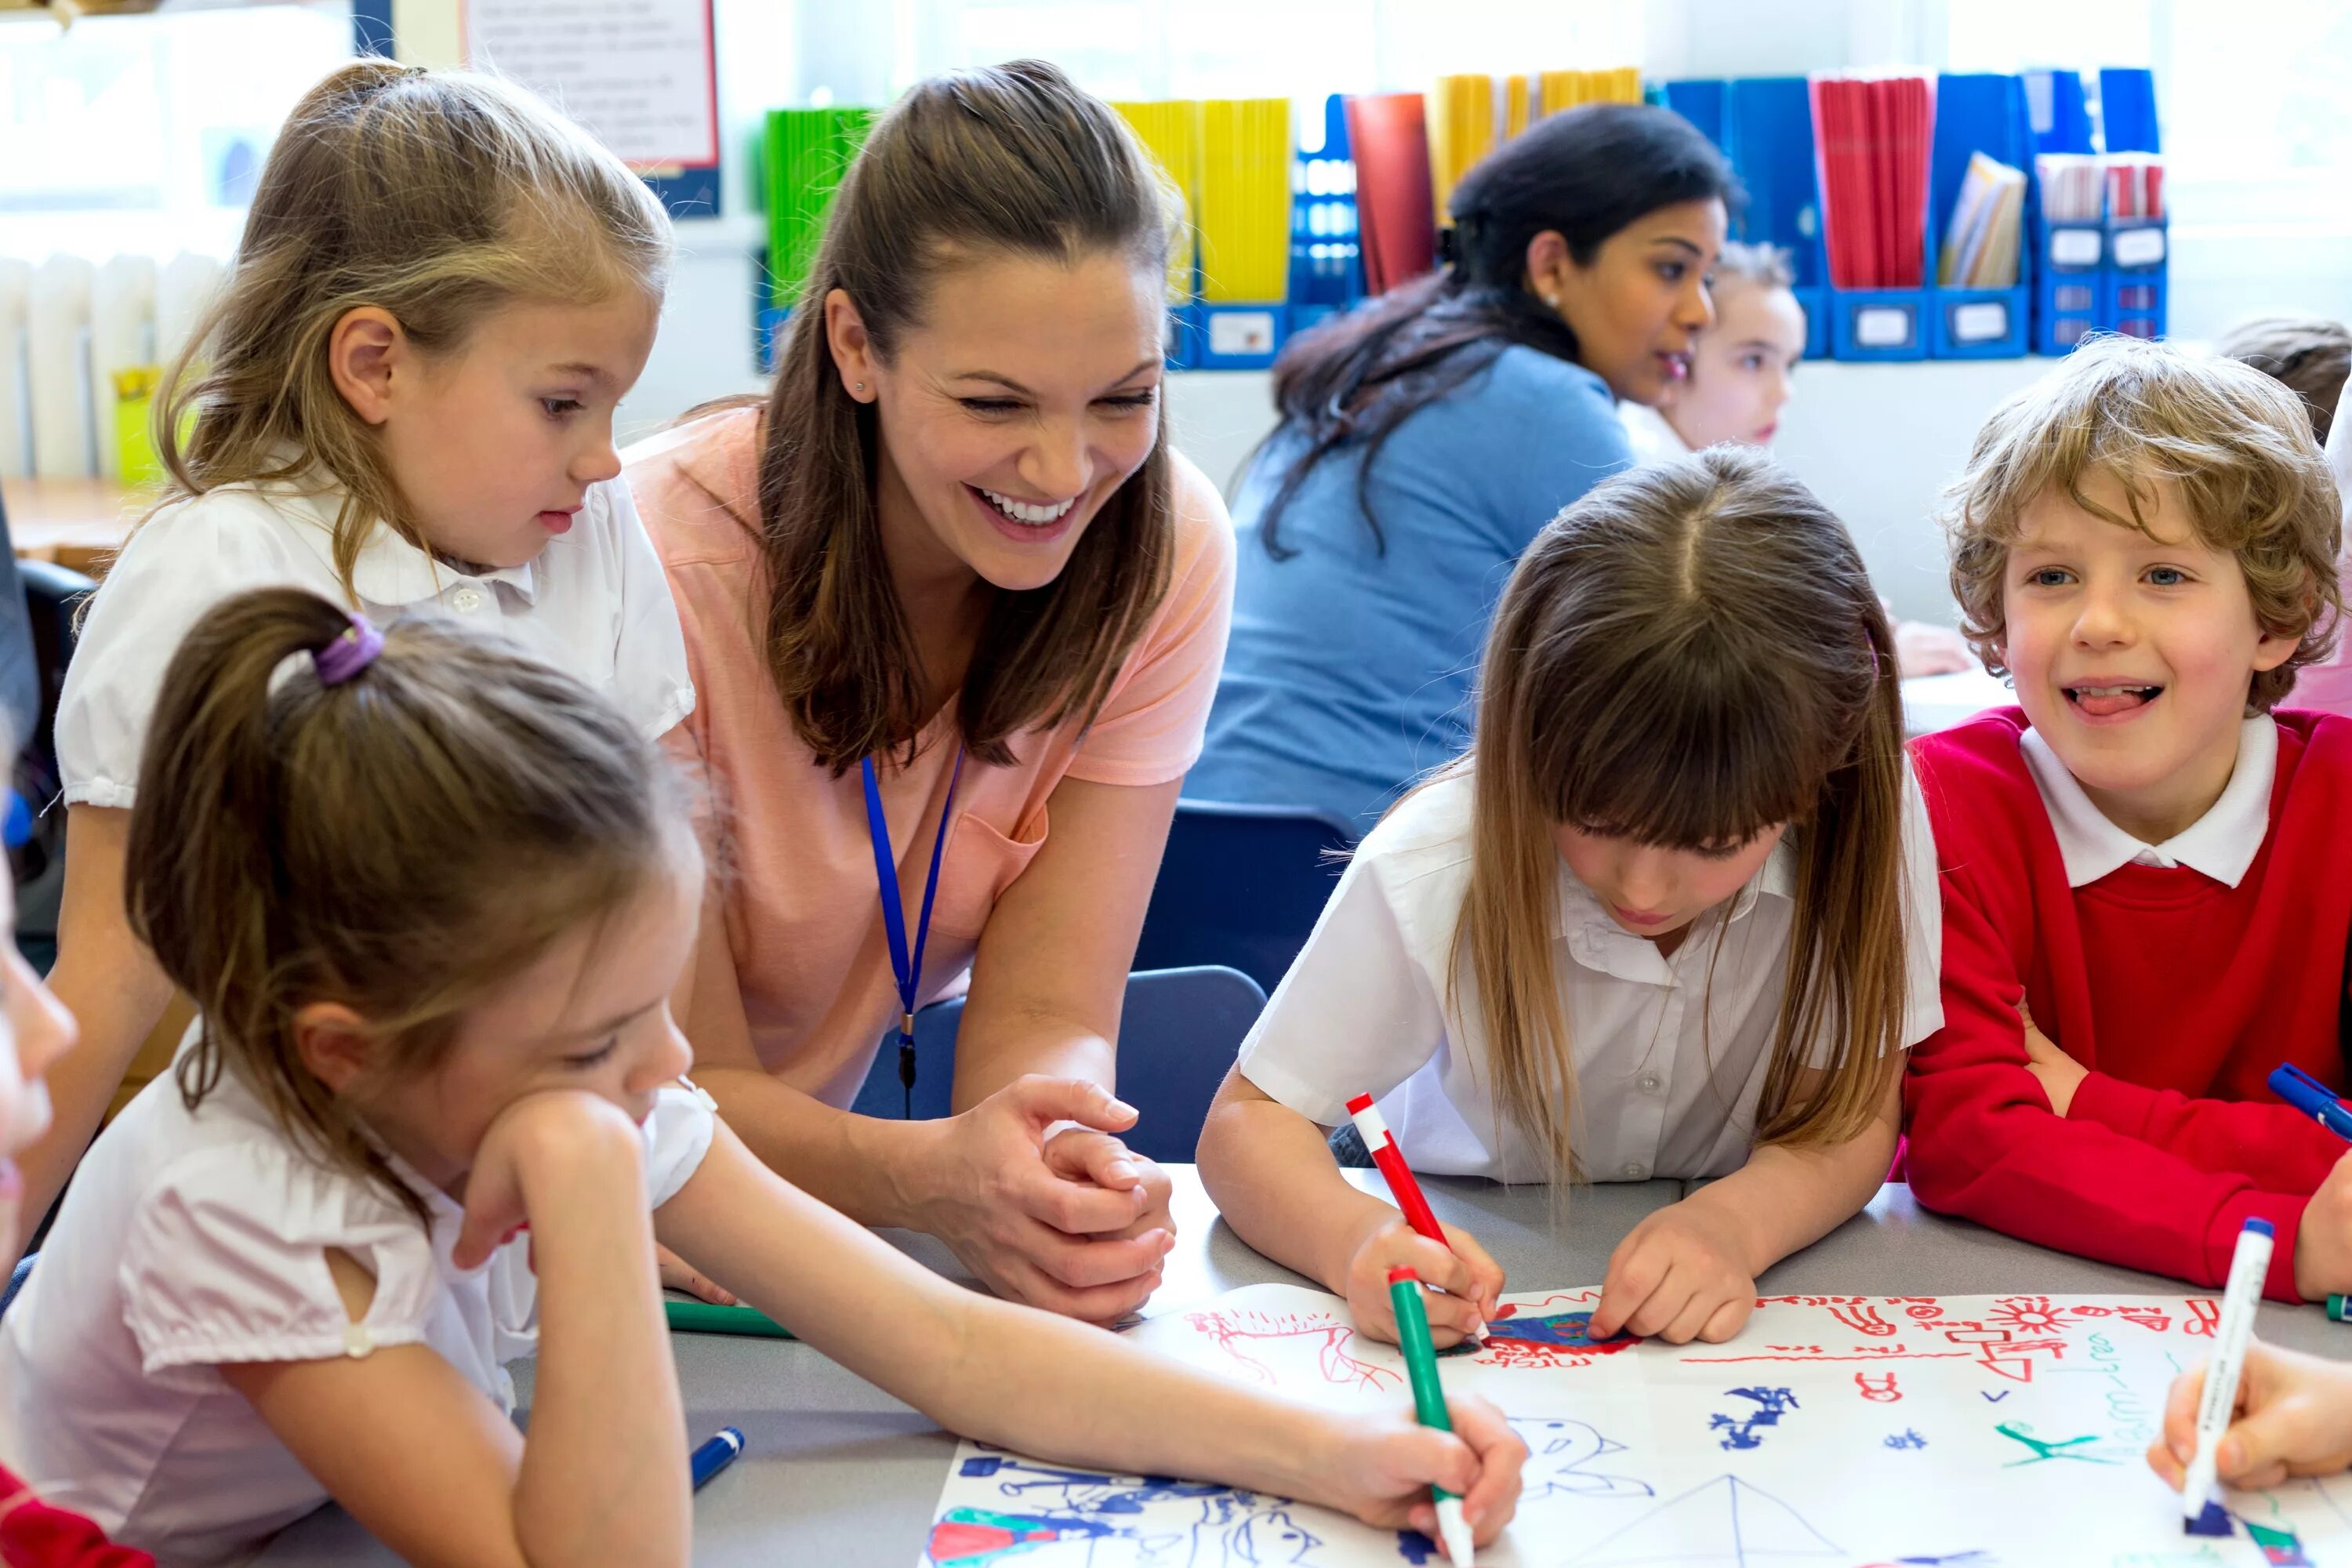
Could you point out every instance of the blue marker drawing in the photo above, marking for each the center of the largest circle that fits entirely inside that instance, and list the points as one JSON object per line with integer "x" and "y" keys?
{"x": 1906, "y": 1438}
{"x": 1739, "y": 1432}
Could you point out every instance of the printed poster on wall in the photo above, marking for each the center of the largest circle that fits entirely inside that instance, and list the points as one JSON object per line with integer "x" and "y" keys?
{"x": 640, "y": 74}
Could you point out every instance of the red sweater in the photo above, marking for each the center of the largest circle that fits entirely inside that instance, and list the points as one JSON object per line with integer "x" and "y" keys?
{"x": 2179, "y": 993}
{"x": 34, "y": 1535}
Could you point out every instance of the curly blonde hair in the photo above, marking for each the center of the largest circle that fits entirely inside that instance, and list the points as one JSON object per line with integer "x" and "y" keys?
{"x": 2234, "y": 445}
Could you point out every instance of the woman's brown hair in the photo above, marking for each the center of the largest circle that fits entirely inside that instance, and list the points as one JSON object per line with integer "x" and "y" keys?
{"x": 436, "y": 195}
{"x": 1010, "y": 160}
{"x": 400, "y": 844}
{"x": 1689, "y": 656}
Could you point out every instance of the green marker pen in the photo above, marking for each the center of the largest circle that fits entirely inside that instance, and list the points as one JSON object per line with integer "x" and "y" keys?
{"x": 1428, "y": 1400}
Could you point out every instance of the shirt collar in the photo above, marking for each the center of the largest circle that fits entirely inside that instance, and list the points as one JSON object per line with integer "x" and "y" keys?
{"x": 1598, "y": 941}
{"x": 2221, "y": 843}
{"x": 390, "y": 570}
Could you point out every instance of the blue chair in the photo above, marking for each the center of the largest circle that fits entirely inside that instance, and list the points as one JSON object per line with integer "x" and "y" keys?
{"x": 1179, "y": 1029}
{"x": 17, "y": 1280}
{"x": 1240, "y": 886}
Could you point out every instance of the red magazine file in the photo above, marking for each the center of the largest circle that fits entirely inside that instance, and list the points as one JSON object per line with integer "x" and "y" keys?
{"x": 1395, "y": 202}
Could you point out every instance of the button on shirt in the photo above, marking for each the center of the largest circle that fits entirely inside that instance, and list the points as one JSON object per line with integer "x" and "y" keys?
{"x": 2220, "y": 844}
{"x": 1669, "y": 1059}
{"x": 595, "y": 604}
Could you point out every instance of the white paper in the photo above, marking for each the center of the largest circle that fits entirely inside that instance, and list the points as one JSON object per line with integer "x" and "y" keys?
{"x": 1967, "y": 1431}
{"x": 636, "y": 73}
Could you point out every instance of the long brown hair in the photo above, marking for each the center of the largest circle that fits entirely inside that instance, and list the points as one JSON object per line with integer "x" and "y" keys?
{"x": 400, "y": 844}
{"x": 1688, "y": 656}
{"x": 1010, "y": 160}
{"x": 436, "y": 195}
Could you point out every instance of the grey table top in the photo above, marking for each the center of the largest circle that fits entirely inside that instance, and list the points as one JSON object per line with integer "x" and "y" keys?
{"x": 836, "y": 1471}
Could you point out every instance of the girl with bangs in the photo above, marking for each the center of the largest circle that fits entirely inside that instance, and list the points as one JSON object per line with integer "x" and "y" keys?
{"x": 1674, "y": 916}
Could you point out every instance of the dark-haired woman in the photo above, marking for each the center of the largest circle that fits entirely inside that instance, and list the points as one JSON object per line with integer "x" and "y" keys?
{"x": 948, "y": 586}
{"x": 1428, "y": 434}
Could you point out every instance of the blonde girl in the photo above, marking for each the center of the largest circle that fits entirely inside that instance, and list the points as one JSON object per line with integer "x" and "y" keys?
{"x": 433, "y": 895}
{"x": 402, "y": 398}
{"x": 1674, "y": 916}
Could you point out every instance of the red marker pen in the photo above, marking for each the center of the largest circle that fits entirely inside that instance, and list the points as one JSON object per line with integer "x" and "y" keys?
{"x": 1385, "y": 1154}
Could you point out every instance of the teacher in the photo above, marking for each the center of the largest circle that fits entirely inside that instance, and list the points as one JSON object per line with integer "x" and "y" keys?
{"x": 952, "y": 606}
{"x": 1429, "y": 434}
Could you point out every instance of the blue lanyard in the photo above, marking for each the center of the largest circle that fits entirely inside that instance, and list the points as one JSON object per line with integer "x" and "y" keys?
{"x": 908, "y": 968}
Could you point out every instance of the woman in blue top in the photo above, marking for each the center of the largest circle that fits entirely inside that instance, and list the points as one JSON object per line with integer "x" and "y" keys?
{"x": 1427, "y": 434}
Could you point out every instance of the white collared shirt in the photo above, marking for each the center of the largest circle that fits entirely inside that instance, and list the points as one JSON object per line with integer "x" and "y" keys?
{"x": 1669, "y": 1059}
{"x": 2221, "y": 843}
{"x": 595, "y": 605}
{"x": 1653, "y": 439}
{"x": 190, "y": 1239}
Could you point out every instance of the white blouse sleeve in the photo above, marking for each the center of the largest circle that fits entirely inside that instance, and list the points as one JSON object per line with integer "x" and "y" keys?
{"x": 176, "y": 567}
{"x": 1357, "y": 1014}
{"x": 225, "y": 1261}
{"x": 678, "y": 1135}
{"x": 650, "y": 678}
{"x": 1923, "y": 936}
{"x": 1923, "y": 916}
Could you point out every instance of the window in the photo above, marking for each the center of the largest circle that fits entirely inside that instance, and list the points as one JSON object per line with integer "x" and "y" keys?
{"x": 117, "y": 121}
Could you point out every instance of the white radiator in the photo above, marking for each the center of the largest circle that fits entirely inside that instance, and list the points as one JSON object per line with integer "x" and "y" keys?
{"x": 67, "y": 325}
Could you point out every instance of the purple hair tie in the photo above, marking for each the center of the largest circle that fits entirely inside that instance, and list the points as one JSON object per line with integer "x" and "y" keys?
{"x": 350, "y": 653}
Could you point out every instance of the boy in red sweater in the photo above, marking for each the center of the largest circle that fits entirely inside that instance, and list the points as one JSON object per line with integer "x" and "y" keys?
{"x": 2140, "y": 858}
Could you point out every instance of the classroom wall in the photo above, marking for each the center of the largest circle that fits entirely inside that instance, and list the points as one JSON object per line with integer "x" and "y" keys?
{"x": 1876, "y": 442}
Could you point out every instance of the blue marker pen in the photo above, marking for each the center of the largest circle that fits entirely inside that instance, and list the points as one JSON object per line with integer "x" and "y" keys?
{"x": 2313, "y": 1097}
{"x": 716, "y": 1454}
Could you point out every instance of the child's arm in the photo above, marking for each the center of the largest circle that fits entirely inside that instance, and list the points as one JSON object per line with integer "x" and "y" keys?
{"x": 1986, "y": 1145}
{"x": 2280, "y": 1148}
{"x": 2293, "y": 1418}
{"x": 1688, "y": 1272}
{"x": 1010, "y": 1375}
{"x": 109, "y": 982}
{"x": 428, "y": 1464}
{"x": 1273, "y": 1178}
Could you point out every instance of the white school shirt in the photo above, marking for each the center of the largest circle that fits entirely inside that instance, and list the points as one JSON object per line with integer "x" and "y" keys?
{"x": 1363, "y": 1010}
{"x": 189, "y": 1239}
{"x": 1653, "y": 439}
{"x": 595, "y": 604}
{"x": 2220, "y": 844}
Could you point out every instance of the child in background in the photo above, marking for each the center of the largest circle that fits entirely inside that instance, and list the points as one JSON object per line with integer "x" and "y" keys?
{"x": 1674, "y": 916}
{"x": 405, "y": 395}
{"x": 2310, "y": 357}
{"x": 2141, "y": 850}
{"x": 35, "y": 1031}
{"x": 440, "y": 1020}
{"x": 1741, "y": 373}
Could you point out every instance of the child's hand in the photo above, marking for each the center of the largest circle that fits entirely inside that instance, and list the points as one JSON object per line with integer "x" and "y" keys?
{"x": 1471, "y": 1281}
{"x": 2323, "y": 1242}
{"x": 1679, "y": 1276}
{"x": 2059, "y": 1074}
{"x": 2293, "y": 1418}
{"x": 561, "y": 1141}
{"x": 1383, "y": 1468}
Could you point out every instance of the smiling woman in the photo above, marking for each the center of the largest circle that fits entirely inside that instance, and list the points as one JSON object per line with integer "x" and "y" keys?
{"x": 1427, "y": 434}
{"x": 955, "y": 613}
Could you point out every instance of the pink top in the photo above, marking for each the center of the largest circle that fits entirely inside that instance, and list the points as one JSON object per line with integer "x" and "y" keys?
{"x": 794, "y": 877}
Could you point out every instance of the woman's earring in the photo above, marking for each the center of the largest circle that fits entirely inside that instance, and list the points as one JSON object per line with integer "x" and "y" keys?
{"x": 861, "y": 386}
{"x": 1553, "y": 301}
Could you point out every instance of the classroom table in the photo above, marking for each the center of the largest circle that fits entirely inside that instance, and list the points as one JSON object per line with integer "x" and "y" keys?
{"x": 78, "y": 523}
{"x": 837, "y": 1472}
